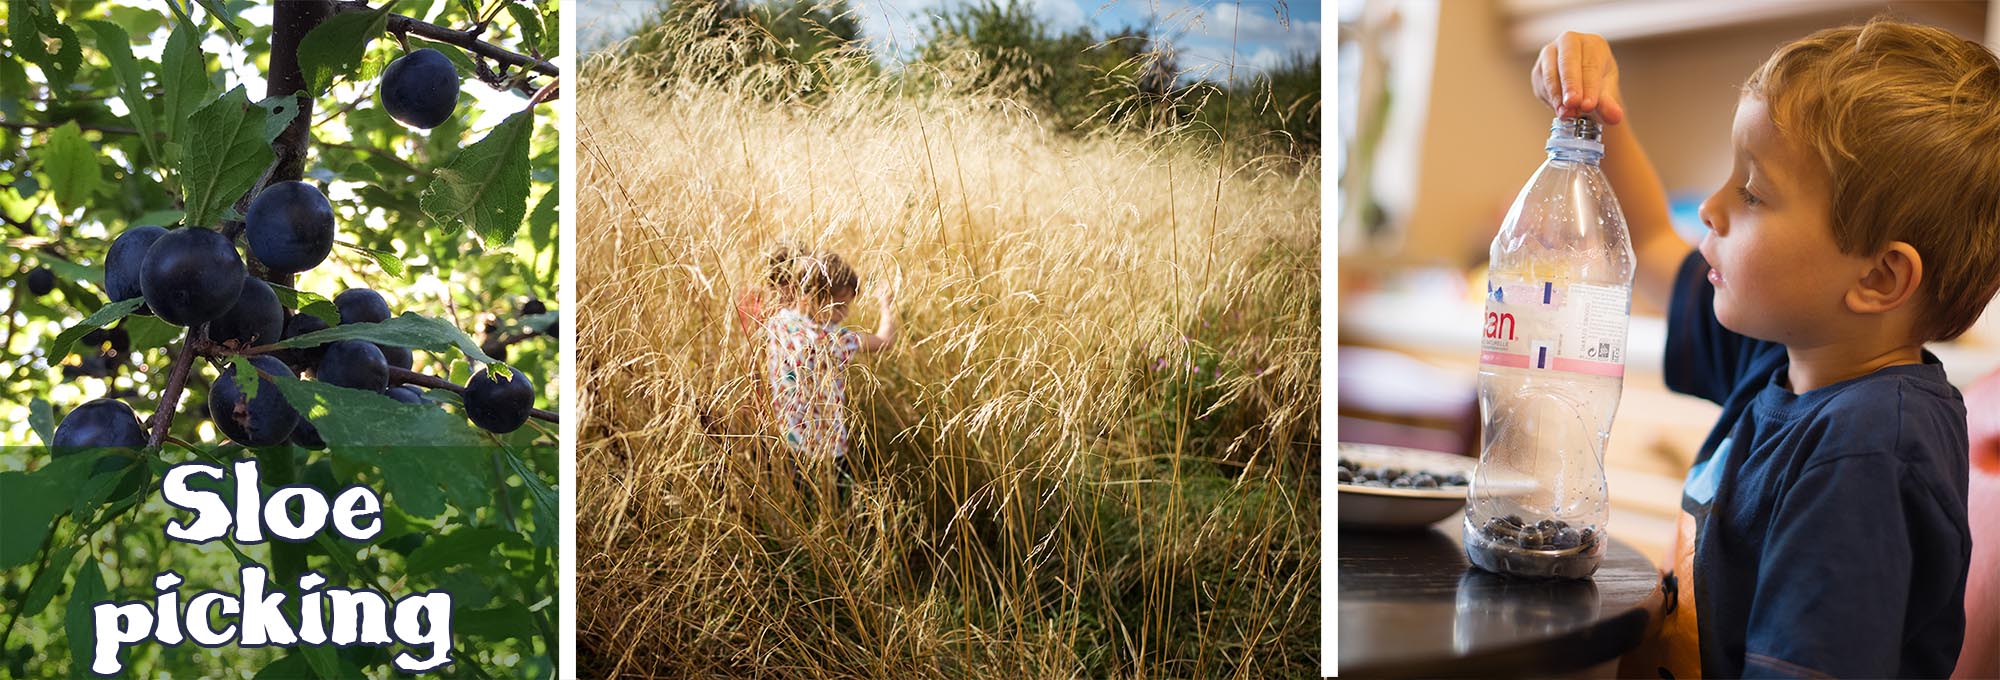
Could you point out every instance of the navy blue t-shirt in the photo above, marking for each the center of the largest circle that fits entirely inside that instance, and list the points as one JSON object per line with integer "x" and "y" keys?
{"x": 1824, "y": 533}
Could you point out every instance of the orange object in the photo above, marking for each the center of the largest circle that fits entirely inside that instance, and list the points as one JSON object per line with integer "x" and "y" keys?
{"x": 1980, "y": 655}
{"x": 750, "y": 312}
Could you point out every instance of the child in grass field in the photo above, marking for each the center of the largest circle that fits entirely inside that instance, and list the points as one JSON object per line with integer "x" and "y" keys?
{"x": 1823, "y": 530}
{"x": 810, "y": 350}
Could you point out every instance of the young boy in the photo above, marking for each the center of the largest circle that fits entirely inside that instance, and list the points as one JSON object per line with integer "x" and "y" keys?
{"x": 1824, "y": 525}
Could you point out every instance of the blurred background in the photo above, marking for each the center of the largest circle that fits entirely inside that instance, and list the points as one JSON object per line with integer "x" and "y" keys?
{"x": 1438, "y": 130}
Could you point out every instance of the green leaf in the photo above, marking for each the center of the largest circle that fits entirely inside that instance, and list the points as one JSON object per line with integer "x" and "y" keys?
{"x": 309, "y": 303}
{"x": 103, "y": 316}
{"x": 409, "y": 330}
{"x": 246, "y": 376}
{"x": 70, "y": 163}
{"x": 184, "y": 82}
{"x": 509, "y": 621}
{"x": 161, "y": 217}
{"x": 226, "y": 151}
{"x": 545, "y": 500}
{"x": 116, "y": 45}
{"x": 390, "y": 264}
{"x": 326, "y": 664}
{"x": 88, "y": 591}
{"x": 42, "y": 419}
{"x": 64, "y": 269}
{"x": 539, "y": 323}
{"x": 228, "y": 22}
{"x": 58, "y": 66}
{"x": 149, "y": 332}
{"x": 281, "y": 114}
{"x": 542, "y": 223}
{"x": 34, "y": 501}
{"x": 48, "y": 580}
{"x": 426, "y": 455}
{"x": 338, "y": 44}
{"x": 465, "y": 546}
{"x": 486, "y": 186}
{"x": 530, "y": 22}
{"x": 455, "y": 55}
{"x": 288, "y": 667}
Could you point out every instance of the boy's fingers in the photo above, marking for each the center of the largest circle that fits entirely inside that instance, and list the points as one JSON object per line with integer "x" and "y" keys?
{"x": 1569, "y": 66}
{"x": 1544, "y": 78}
{"x": 1591, "y": 83}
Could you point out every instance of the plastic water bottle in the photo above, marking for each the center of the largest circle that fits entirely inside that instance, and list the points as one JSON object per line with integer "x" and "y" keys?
{"x": 1551, "y": 366}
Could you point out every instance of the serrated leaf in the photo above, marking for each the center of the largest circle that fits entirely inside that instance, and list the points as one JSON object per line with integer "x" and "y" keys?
{"x": 34, "y": 501}
{"x": 542, "y": 223}
{"x": 309, "y": 303}
{"x": 70, "y": 163}
{"x": 184, "y": 81}
{"x": 545, "y": 500}
{"x": 226, "y": 152}
{"x": 551, "y": 39}
{"x": 161, "y": 217}
{"x": 540, "y": 322}
{"x": 116, "y": 44}
{"x": 88, "y": 591}
{"x": 287, "y": 667}
{"x": 486, "y": 186}
{"x": 409, "y": 330}
{"x": 98, "y": 319}
{"x": 510, "y": 621}
{"x": 148, "y": 332}
{"x": 42, "y": 419}
{"x": 338, "y": 45}
{"x": 427, "y": 455}
{"x": 530, "y": 22}
{"x": 215, "y": 9}
{"x": 44, "y": 587}
{"x": 464, "y": 546}
{"x": 58, "y": 66}
{"x": 326, "y": 664}
{"x": 246, "y": 376}
{"x": 281, "y": 112}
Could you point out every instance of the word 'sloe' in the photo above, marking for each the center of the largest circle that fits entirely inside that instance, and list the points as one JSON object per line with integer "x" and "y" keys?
{"x": 337, "y": 616}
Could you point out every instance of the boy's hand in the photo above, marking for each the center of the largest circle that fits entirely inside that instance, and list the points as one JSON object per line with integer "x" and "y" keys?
{"x": 1576, "y": 75}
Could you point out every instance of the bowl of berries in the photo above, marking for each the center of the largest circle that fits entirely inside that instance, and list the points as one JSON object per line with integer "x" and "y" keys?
{"x": 1390, "y": 487}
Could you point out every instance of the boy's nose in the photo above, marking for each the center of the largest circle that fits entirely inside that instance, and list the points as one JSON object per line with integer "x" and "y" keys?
{"x": 1710, "y": 215}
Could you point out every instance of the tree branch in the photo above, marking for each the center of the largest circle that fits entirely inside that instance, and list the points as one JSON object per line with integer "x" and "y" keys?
{"x": 170, "y": 400}
{"x": 469, "y": 40}
{"x": 408, "y": 377}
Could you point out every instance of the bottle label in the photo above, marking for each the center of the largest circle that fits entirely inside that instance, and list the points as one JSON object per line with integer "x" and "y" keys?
{"x": 1578, "y": 328}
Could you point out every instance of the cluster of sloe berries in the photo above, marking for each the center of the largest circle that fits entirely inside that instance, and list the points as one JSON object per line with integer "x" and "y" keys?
{"x": 1396, "y": 478}
{"x": 1548, "y": 534}
{"x": 194, "y": 277}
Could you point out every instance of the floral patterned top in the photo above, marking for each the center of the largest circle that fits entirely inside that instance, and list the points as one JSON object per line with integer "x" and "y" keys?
{"x": 808, "y": 381}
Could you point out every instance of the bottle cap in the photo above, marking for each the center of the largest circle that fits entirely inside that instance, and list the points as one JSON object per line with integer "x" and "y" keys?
{"x": 1582, "y": 133}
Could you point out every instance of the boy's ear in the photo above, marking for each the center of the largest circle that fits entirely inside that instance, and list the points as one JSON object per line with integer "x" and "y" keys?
{"x": 1891, "y": 280}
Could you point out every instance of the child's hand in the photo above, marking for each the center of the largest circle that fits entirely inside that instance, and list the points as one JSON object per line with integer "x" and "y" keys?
{"x": 887, "y": 296}
{"x": 1576, "y": 75}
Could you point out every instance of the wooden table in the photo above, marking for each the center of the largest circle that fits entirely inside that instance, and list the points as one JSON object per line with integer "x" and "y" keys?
{"x": 1412, "y": 606}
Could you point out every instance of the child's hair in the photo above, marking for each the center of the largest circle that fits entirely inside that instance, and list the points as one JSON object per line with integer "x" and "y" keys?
{"x": 811, "y": 276}
{"x": 1906, "y": 120}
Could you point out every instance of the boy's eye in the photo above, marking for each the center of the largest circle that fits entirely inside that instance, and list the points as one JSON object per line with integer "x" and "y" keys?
{"x": 1748, "y": 198}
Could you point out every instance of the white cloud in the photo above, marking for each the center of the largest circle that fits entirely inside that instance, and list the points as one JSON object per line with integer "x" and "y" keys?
{"x": 1262, "y": 33}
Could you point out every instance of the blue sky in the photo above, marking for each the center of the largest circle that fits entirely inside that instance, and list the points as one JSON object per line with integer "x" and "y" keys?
{"x": 1265, "y": 31}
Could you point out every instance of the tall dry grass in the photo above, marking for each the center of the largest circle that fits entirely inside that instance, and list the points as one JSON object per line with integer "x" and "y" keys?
{"x": 1090, "y": 454}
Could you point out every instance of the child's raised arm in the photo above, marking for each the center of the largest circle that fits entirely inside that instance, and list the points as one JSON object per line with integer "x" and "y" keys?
{"x": 884, "y": 337}
{"x": 1575, "y": 75}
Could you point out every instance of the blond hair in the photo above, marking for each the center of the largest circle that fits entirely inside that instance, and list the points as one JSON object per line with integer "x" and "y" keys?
{"x": 1906, "y": 121}
{"x": 814, "y": 277}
